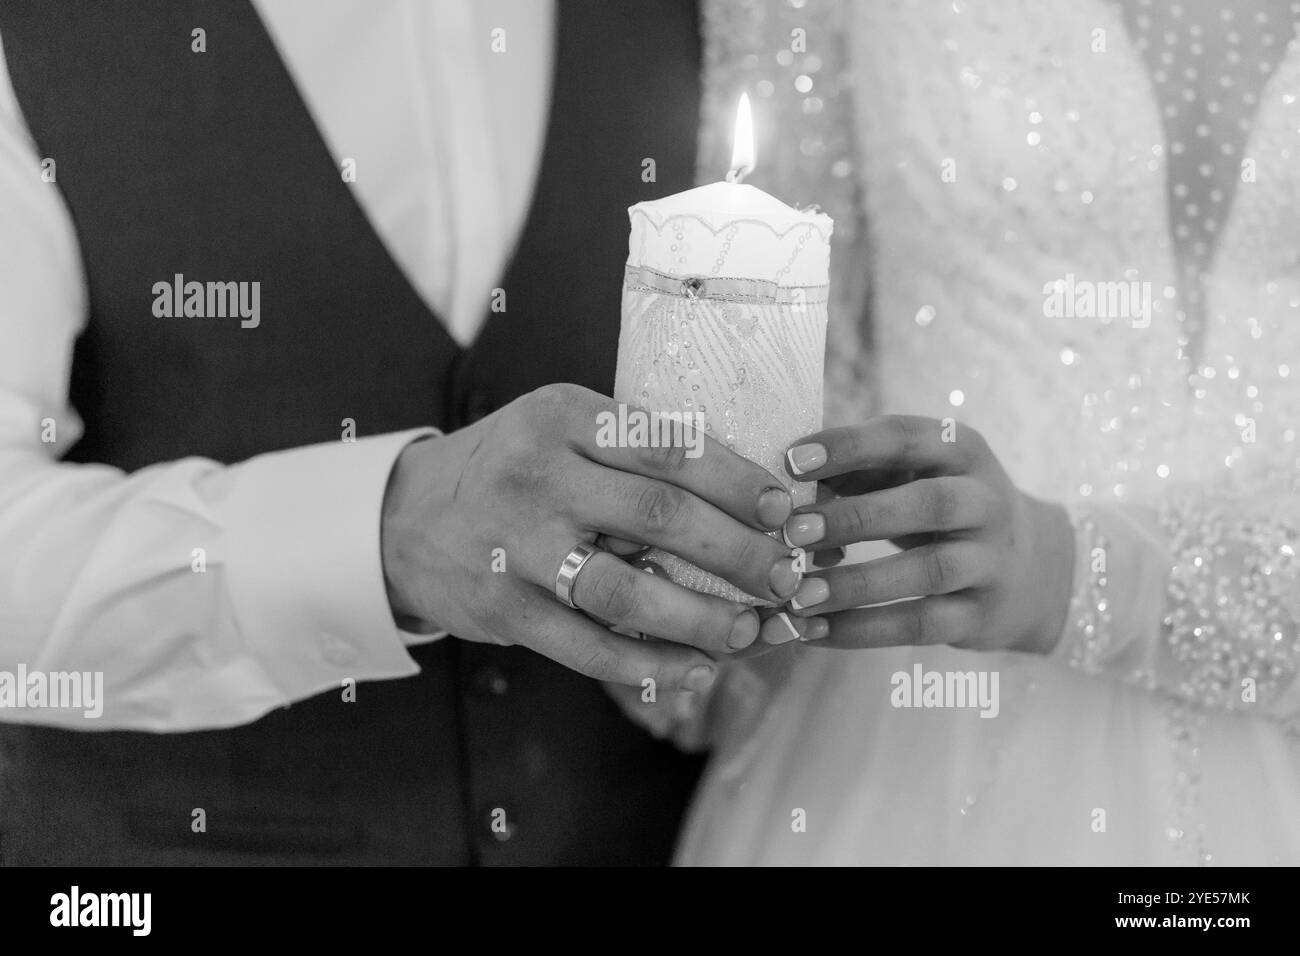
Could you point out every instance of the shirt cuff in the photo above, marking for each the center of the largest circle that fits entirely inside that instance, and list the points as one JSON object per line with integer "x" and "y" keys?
{"x": 306, "y": 577}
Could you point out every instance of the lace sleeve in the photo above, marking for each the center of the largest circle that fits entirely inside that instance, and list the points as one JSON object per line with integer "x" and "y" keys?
{"x": 1198, "y": 598}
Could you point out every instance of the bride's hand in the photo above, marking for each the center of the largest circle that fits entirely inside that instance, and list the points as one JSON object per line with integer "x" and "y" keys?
{"x": 992, "y": 566}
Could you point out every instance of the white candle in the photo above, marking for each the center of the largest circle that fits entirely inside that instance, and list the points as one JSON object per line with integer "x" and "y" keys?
{"x": 724, "y": 319}
{"x": 731, "y": 228}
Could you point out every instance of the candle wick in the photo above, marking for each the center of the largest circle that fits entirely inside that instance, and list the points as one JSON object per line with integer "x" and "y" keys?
{"x": 738, "y": 174}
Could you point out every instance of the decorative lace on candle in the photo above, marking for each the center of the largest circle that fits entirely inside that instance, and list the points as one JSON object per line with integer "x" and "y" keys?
{"x": 793, "y": 252}
{"x": 743, "y": 354}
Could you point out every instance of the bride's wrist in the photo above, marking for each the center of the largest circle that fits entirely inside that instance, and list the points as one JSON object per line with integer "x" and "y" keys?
{"x": 1055, "y": 557}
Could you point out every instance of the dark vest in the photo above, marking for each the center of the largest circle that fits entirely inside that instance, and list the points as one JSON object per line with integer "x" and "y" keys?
{"x": 208, "y": 164}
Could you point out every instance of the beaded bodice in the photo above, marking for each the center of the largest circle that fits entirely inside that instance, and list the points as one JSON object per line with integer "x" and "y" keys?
{"x": 1071, "y": 224}
{"x": 1081, "y": 238}
{"x": 1032, "y": 171}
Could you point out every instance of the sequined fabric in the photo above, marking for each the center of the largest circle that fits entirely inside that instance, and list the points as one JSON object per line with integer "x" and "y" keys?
{"x": 1079, "y": 222}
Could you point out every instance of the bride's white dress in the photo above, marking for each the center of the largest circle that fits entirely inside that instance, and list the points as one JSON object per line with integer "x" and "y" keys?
{"x": 1004, "y": 154}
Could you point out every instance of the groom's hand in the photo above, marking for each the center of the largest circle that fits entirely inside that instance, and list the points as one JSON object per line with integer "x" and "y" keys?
{"x": 477, "y": 523}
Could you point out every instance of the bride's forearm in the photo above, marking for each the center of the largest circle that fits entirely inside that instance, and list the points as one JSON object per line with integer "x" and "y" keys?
{"x": 1055, "y": 526}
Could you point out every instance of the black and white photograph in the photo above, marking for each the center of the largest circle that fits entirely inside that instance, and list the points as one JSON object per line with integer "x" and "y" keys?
{"x": 650, "y": 433}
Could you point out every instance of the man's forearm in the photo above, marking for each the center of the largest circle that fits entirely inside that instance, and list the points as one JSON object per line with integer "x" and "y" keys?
{"x": 205, "y": 595}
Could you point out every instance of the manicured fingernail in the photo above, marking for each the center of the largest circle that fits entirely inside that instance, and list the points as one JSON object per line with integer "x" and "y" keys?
{"x": 699, "y": 679}
{"x": 812, "y": 591}
{"x": 785, "y": 578}
{"x": 649, "y": 567}
{"x": 803, "y": 530}
{"x": 780, "y": 629}
{"x": 805, "y": 458}
{"x": 815, "y": 628}
{"x": 774, "y": 507}
{"x": 744, "y": 629}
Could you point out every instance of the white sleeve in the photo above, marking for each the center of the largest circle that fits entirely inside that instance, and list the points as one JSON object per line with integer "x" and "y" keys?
{"x": 205, "y": 595}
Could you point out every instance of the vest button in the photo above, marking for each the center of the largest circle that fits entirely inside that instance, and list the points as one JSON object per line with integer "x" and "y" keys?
{"x": 491, "y": 681}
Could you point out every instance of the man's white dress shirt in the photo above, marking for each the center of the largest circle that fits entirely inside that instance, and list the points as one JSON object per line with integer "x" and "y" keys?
{"x": 96, "y": 565}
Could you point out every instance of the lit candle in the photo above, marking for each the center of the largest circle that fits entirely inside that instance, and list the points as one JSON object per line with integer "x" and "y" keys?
{"x": 724, "y": 321}
{"x": 732, "y": 229}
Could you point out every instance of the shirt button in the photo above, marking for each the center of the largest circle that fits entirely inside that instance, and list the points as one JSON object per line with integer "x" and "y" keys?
{"x": 338, "y": 652}
{"x": 490, "y": 680}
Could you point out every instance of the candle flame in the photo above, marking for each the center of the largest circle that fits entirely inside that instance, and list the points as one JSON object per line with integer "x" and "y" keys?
{"x": 742, "y": 145}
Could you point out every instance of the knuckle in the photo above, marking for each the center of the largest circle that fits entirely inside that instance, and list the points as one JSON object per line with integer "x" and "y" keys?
{"x": 756, "y": 553}
{"x": 517, "y": 446}
{"x": 941, "y": 505}
{"x": 856, "y": 521}
{"x": 708, "y": 631}
{"x": 940, "y": 570}
{"x": 667, "y": 457}
{"x": 538, "y": 406}
{"x": 988, "y": 508}
{"x": 616, "y": 596}
{"x": 667, "y": 678}
{"x": 906, "y": 432}
{"x": 963, "y": 626}
{"x": 552, "y": 403}
{"x": 929, "y": 623}
{"x": 559, "y": 394}
{"x": 970, "y": 445}
{"x": 598, "y": 665}
{"x": 658, "y": 507}
{"x": 975, "y": 442}
{"x": 519, "y": 468}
